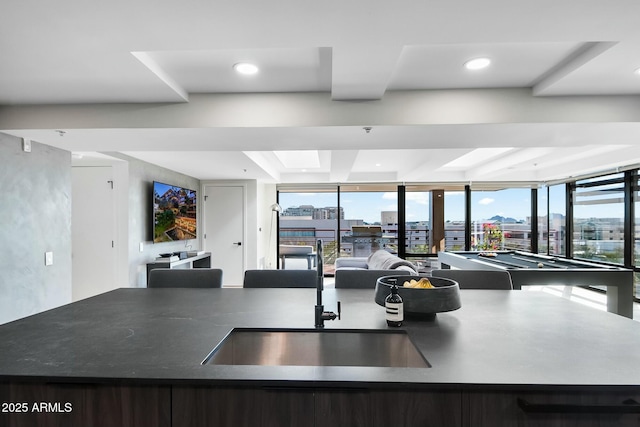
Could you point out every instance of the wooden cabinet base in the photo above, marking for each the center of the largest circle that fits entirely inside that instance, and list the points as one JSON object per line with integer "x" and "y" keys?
{"x": 58, "y": 405}
{"x": 105, "y": 405}
{"x": 282, "y": 407}
{"x": 554, "y": 409}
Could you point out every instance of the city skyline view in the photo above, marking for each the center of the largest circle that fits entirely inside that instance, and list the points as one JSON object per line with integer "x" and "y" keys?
{"x": 368, "y": 205}
{"x": 511, "y": 203}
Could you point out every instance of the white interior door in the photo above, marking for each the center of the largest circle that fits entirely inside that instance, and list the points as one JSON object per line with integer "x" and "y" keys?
{"x": 224, "y": 230}
{"x": 93, "y": 229}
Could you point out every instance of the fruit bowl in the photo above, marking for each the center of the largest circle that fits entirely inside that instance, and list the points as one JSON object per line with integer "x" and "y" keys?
{"x": 421, "y": 302}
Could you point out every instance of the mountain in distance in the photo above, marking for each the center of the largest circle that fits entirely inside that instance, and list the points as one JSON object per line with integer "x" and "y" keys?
{"x": 504, "y": 220}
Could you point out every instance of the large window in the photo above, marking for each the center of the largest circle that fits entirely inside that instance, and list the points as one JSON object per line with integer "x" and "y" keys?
{"x": 598, "y": 219}
{"x": 501, "y": 219}
{"x": 417, "y": 224}
{"x": 354, "y": 220}
{"x": 636, "y": 231}
{"x": 557, "y": 209}
{"x": 371, "y": 219}
{"x": 552, "y": 219}
{"x": 543, "y": 220}
{"x": 454, "y": 220}
{"x": 636, "y": 223}
{"x": 308, "y": 216}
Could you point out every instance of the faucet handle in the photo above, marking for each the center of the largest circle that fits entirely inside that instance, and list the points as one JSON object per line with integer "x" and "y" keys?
{"x": 339, "y": 310}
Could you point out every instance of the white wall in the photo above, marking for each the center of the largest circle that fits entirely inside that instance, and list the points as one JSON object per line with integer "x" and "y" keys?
{"x": 140, "y": 216}
{"x": 259, "y": 197}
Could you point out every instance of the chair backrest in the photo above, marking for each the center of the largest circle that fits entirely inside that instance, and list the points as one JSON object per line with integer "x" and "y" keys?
{"x": 280, "y": 279}
{"x": 295, "y": 250}
{"x": 185, "y": 278}
{"x": 363, "y": 279}
{"x": 477, "y": 279}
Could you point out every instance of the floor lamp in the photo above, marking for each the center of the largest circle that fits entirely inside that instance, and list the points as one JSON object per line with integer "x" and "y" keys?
{"x": 275, "y": 211}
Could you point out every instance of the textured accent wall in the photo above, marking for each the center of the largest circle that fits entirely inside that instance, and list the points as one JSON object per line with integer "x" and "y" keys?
{"x": 35, "y": 217}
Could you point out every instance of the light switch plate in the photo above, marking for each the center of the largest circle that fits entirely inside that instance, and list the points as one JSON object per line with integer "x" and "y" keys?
{"x": 26, "y": 145}
{"x": 48, "y": 258}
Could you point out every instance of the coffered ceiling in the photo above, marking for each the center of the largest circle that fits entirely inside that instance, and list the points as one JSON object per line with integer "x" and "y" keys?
{"x": 346, "y": 91}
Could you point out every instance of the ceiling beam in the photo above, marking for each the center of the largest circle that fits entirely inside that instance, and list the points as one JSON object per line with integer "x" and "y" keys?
{"x": 585, "y": 53}
{"x": 362, "y": 72}
{"x": 398, "y": 108}
{"x": 341, "y": 164}
{"x": 153, "y": 66}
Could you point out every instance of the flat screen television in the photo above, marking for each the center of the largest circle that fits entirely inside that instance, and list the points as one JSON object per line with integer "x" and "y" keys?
{"x": 174, "y": 213}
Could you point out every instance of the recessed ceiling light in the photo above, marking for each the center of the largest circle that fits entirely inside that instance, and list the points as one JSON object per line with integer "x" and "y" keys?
{"x": 245, "y": 68}
{"x": 477, "y": 63}
{"x": 637, "y": 71}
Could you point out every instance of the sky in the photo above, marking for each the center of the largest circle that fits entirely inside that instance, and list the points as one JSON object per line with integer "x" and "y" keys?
{"x": 367, "y": 206}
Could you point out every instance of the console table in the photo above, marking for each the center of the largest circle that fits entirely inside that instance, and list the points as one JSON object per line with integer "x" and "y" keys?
{"x": 198, "y": 261}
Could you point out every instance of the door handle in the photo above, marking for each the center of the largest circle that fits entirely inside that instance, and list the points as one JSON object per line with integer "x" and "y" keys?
{"x": 238, "y": 243}
{"x": 629, "y": 406}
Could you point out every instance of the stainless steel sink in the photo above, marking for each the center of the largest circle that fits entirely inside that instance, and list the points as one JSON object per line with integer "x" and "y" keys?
{"x": 317, "y": 347}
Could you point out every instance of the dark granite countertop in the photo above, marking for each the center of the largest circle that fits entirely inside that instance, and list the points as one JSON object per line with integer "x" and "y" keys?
{"x": 504, "y": 338}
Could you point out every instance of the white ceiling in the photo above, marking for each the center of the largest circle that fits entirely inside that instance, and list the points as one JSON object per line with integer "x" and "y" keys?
{"x": 369, "y": 63}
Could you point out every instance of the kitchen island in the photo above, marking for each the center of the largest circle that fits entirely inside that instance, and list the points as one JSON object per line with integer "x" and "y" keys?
{"x": 133, "y": 357}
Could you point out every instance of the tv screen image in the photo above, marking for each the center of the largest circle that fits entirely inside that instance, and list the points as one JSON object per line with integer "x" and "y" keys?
{"x": 174, "y": 213}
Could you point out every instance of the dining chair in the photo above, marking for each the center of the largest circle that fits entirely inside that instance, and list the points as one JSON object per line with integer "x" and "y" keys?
{"x": 477, "y": 279}
{"x": 185, "y": 278}
{"x": 280, "y": 279}
{"x": 363, "y": 279}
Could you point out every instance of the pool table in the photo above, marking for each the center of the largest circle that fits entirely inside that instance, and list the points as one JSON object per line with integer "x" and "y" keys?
{"x": 534, "y": 269}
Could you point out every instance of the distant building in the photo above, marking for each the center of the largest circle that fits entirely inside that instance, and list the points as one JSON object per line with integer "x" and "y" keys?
{"x": 313, "y": 212}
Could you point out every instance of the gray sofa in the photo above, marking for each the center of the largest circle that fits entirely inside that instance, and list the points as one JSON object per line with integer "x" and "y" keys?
{"x": 363, "y": 272}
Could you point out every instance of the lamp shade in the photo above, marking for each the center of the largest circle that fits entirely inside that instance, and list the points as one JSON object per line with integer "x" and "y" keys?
{"x": 276, "y": 208}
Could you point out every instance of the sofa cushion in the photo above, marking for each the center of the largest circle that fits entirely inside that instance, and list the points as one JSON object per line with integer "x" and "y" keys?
{"x": 354, "y": 263}
{"x": 383, "y": 260}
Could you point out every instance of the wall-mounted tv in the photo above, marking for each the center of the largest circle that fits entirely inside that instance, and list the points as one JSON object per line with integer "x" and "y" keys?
{"x": 174, "y": 213}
